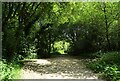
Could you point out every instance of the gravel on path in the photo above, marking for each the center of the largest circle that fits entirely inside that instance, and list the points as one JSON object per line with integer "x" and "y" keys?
{"x": 65, "y": 67}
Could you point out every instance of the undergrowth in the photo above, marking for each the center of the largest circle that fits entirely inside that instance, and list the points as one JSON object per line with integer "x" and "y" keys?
{"x": 107, "y": 64}
{"x": 9, "y": 70}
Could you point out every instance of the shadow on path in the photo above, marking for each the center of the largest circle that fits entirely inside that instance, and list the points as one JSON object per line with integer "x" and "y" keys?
{"x": 61, "y": 67}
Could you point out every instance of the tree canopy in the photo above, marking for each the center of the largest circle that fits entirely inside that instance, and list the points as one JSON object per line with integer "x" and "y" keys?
{"x": 88, "y": 27}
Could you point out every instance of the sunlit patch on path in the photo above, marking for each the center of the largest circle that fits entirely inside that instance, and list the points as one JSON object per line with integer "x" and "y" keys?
{"x": 57, "y": 68}
{"x": 43, "y": 62}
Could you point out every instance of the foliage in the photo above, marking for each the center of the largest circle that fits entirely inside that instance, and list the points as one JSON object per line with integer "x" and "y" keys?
{"x": 87, "y": 27}
{"x": 32, "y": 56}
{"x": 108, "y": 65}
{"x": 9, "y": 71}
{"x": 111, "y": 58}
{"x": 61, "y": 47}
{"x": 34, "y": 28}
{"x": 112, "y": 73}
{"x": 31, "y": 52}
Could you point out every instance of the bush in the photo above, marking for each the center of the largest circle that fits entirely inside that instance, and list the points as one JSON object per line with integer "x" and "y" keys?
{"x": 111, "y": 58}
{"x": 6, "y": 70}
{"x": 97, "y": 67}
{"x": 32, "y": 56}
{"x": 108, "y": 64}
{"x": 112, "y": 73}
{"x": 9, "y": 71}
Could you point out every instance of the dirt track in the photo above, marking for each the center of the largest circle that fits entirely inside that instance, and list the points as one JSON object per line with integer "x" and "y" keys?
{"x": 64, "y": 67}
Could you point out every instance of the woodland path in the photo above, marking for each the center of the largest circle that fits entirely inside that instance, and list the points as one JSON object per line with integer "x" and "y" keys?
{"x": 61, "y": 67}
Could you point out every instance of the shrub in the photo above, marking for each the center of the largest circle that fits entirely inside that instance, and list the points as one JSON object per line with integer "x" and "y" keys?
{"x": 97, "y": 67}
{"x": 32, "y": 56}
{"x": 111, "y": 58}
{"x": 6, "y": 70}
{"x": 112, "y": 73}
{"x": 9, "y": 71}
{"x": 108, "y": 64}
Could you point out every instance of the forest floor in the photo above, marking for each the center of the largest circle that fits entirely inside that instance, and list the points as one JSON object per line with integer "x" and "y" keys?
{"x": 60, "y": 67}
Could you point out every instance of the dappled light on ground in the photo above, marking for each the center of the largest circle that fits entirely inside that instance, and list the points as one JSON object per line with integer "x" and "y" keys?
{"x": 57, "y": 68}
{"x": 35, "y": 75}
{"x": 42, "y": 62}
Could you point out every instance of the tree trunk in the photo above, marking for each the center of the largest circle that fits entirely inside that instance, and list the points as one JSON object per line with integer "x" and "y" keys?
{"x": 106, "y": 28}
